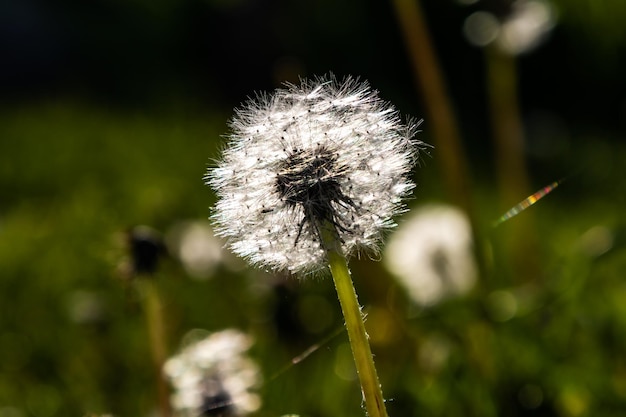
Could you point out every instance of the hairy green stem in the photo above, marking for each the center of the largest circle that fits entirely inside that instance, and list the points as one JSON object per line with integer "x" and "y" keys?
{"x": 370, "y": 386}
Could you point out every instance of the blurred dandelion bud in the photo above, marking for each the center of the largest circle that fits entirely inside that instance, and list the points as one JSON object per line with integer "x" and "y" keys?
{"x": 320, "y": 152}
{"x": 144, "y": 247}
{"x": 522, "y": 29}
{"x": 137, "y": 251}
{"x": 431, "y": 255}
{"x": 213, "y": 376}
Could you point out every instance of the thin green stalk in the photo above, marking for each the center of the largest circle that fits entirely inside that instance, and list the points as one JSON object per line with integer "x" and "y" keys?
{"x": 441, "y": 117}
{"x": 508, "y": 130}
{"x": 370, "y": 386}
{"x": 441, "y": 120}
{"x": 513, "y": 178}
{"x": 153, "y": 310}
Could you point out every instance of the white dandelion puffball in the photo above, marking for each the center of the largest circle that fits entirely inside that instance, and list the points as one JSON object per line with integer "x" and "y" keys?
{"x": 213, "y": 376}
{"x": 432, "y": 256}
{"x": 322, "y": 151}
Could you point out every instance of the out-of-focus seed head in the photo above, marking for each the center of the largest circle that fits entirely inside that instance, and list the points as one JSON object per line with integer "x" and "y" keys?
{"x": 432, "y": 255}
{"x": 214, "y": 377}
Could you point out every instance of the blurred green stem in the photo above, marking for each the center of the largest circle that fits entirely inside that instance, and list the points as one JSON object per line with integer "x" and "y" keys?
{"x": 153, "y": 310}
{"x": 370, "y": 386}
{"x": 441, "y": 117}
{"x": 508, "y": 132}
{"x": 513, "y": 180}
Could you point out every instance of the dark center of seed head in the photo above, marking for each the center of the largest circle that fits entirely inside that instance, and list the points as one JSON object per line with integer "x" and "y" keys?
{"x": 310, "y": 178}
{"x": 216, "y": 401}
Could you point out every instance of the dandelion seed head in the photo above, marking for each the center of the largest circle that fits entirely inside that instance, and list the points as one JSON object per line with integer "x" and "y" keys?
{"x": 431, "y": 255}
{"x": 321, "y": 151}
{"x": 214, "y": 377}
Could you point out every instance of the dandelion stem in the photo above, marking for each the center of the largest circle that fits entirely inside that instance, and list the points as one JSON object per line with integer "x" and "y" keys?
{"x": 508, "y": 136}
{"x": 441, "y": 116}
{"x": 370, "y": 386}
{"x": 153, "y": 309}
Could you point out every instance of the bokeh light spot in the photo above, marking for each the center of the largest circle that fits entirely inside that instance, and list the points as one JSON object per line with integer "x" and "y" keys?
{"x": 481, "y": 28}
{"x": 502, "y": 305}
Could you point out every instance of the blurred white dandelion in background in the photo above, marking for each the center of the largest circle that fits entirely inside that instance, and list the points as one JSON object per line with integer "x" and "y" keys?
{"x": 322, "y": 151}
{"x": 528, "y": 25}
{"x": 522, "y": 30}
{"x": 431, "y": 254}
{"x": 213, "y": 376}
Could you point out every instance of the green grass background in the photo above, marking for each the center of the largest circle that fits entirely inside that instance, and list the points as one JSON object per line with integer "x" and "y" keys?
{"x": 78, "y": 175}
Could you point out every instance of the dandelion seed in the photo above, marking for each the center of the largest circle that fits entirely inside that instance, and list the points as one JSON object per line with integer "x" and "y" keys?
{"x": 320, "y": 152}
